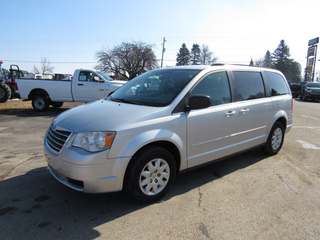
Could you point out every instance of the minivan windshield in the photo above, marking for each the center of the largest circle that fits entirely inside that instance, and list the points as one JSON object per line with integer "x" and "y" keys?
{"x": 154, "y": 88}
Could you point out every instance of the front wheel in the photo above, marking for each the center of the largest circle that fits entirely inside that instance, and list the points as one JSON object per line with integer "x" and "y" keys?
{"x": 150, "y": 175}
{"x": 275, "y": 139}
{"x": 40, "y": 103}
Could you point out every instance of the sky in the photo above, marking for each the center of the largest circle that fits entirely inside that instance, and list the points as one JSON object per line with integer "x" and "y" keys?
{"x": 69, "y": 33}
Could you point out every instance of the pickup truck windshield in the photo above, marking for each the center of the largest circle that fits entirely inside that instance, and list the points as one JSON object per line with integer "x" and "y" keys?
{"x": 105, "y": 76}
{"x": 316, "y": 85}
{"x": 155, "y": 88}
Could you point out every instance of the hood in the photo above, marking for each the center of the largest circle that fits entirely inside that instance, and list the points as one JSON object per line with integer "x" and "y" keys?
{"x": 104, "y": 115}
{"x": 119, "y": 81}
{"x": 313, "y": 88}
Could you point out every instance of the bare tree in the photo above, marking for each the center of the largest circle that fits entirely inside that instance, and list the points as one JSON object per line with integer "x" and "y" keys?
{"x": 127, "y": 60}
{"x": 46, "y": 67}
{"x": 35, "y": 69}
{"x": 207, "y": 56}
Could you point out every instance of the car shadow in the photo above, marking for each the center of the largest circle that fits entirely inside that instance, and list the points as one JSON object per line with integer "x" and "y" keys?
{"x": 35, "y": 205}
{"x": 309, "y": 100}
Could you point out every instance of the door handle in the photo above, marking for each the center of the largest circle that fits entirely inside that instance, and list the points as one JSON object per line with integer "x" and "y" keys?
{"x": 228, "y": 114}
{"x": 243, "y": 111}
{"x": 80, "y": 84}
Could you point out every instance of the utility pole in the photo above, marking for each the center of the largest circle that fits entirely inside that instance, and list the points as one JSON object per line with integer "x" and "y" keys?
{"x": 163, "y": 50}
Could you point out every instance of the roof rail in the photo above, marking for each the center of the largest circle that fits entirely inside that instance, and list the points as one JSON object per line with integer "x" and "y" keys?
{"x": 218, "y": 64}
{"x": 236, "y": 64}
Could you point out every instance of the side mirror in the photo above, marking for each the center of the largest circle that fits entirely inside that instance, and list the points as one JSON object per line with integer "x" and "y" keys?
{"x": 199, "y": 102}
{"x": 97, "y": 79}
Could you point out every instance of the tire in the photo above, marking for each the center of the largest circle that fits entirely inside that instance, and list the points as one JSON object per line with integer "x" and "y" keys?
{"x": 275, "y": 139}
{"x": 57, "y": 104}
{"x": 13, "y": 90}
{"x": 305, "y": 97}
{"x": 40, "y": 103}
{"x": 5, "y": 92}
{"x": 144, "y": 185}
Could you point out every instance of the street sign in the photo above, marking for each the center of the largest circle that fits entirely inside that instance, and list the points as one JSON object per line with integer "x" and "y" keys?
{"x": 311, "y": 51}
{"x": 313, "y": 41}
{"x": 310, "y": 61}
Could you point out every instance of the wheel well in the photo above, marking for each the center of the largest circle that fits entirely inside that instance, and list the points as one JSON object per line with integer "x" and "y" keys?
{"x": 283, "y": 121}
{"x": 166, "y": 145}
{"x": 36, "y": 92}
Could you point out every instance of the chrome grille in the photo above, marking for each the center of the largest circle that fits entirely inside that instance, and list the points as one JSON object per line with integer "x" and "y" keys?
{"x": 56, "y": 139}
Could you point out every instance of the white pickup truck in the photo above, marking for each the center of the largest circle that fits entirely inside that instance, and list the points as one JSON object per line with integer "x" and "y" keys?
{"x": 85, "y": 86}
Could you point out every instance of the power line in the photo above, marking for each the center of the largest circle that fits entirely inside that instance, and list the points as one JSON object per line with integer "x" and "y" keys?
{"x": 41, "y": 62}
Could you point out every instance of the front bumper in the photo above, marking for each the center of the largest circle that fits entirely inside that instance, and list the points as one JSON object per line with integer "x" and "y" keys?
{"x": 80, "y": 170}
{"x": 313, "y": 96}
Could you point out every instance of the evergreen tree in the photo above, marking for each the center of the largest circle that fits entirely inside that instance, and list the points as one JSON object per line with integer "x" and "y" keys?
{"x": 281, "y": 61}
{"x": 281, "y": 57}
{"x": 195, "y": 55}
{"x": 267, "y": 61}
{"x": 251, "y": 63}
{"x": 295, "y": 73}
{"x": 183, "y": 57}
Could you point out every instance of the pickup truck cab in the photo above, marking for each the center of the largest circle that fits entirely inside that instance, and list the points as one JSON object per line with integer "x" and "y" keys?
{"x": 85, "y": 86}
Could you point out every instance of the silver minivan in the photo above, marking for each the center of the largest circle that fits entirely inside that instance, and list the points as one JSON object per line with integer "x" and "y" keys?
{"x": 167, "y": 121}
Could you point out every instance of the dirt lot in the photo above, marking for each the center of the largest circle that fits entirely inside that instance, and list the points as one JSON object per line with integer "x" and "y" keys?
{"x": 17, "y": 104}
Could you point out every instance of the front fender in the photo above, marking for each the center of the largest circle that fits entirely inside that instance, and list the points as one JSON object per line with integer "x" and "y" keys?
{"x": 153, "y": 136}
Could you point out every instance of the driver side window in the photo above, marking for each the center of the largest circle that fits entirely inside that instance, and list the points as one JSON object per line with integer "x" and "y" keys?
{"x": 87, "y": 76}
{"x": 216, "y": 86}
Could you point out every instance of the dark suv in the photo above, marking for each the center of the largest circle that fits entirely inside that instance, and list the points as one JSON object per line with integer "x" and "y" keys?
{"x": 310, "y": 90}
{"x": 296, "y": 88}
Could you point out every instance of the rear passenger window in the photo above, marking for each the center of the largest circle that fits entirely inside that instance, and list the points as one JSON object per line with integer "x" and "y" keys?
{"x": 216, "y": 86}
{"x": 277, "y": 84}
{"x": 249, "y": 85}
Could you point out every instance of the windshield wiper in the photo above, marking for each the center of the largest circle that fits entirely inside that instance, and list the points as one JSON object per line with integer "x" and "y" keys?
{"x": 123, "y": 100}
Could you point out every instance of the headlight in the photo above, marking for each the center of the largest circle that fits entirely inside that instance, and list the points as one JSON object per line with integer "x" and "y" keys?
{"x": 94, "y": 141}
{"x": 309, "y": 90}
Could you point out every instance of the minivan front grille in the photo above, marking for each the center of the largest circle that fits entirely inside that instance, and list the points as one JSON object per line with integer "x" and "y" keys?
{"x": 56, "y": 139}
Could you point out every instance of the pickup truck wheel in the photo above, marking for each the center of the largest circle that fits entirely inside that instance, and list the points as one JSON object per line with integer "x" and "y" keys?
{"x": 150, "y": 175}
{"x": 5, "y": 92}
{"x": 57, "y": 104}
{"x": 40, "y": 103}
{"x": 275, "y": 139}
